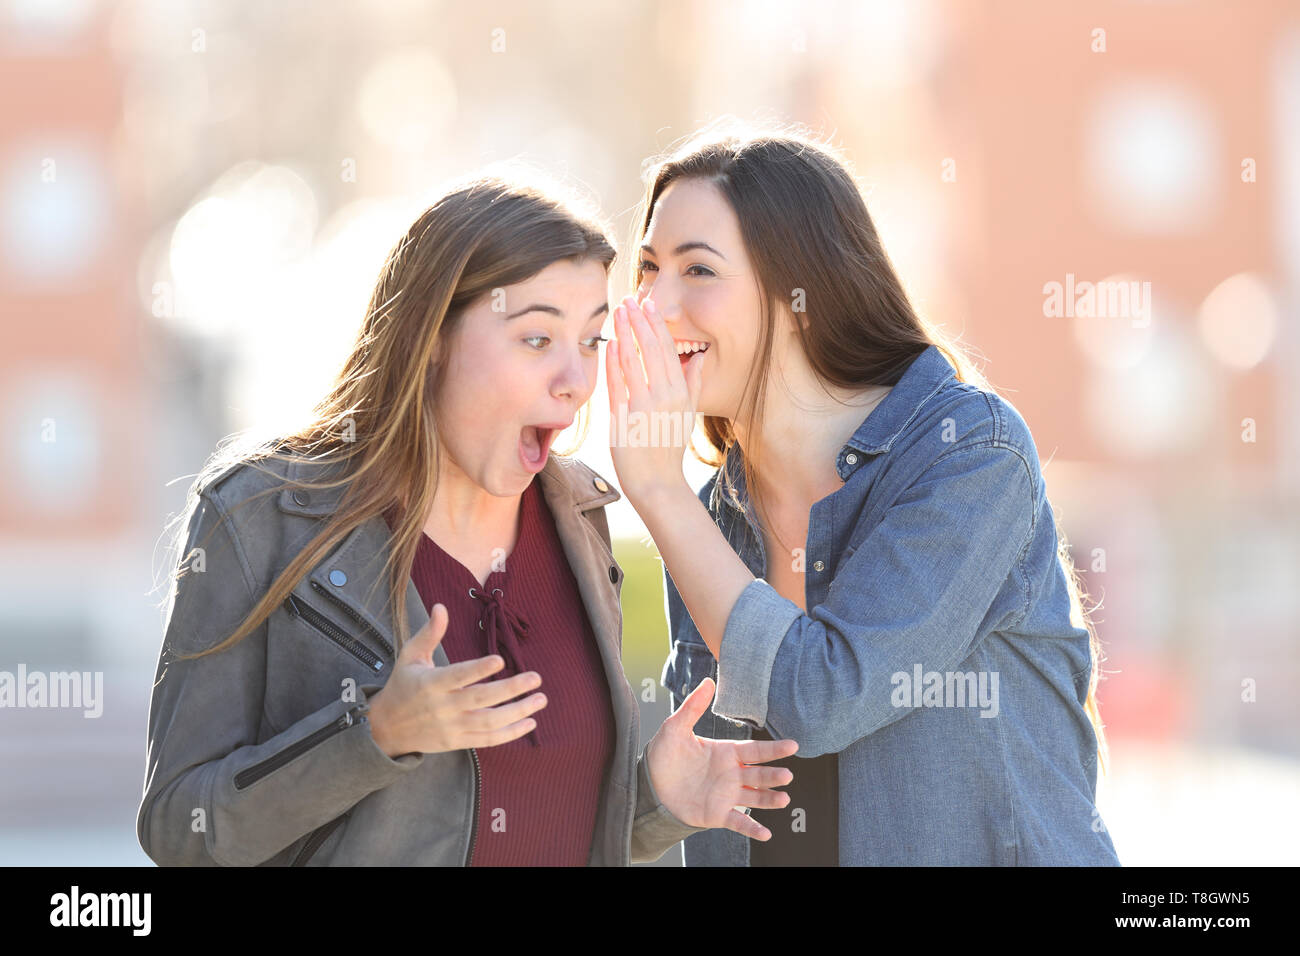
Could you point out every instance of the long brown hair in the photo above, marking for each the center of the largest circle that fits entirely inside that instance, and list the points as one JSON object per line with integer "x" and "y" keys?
{"x": 806, "y": 227}
{"x": 376, "y": 425}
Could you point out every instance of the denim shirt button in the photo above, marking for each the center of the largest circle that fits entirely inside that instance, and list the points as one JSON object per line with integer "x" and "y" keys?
{"x": 338, "y": 578}
{"x": 301, "y": 497}
{"x": 819, "y": 566}
{"x": 851, "y": 459}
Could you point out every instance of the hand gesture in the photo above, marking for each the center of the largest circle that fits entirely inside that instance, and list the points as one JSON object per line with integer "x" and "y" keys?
{"x": 429, "y": 709}
{"x": 652, "y": 400}
{"x": 705, "y": 782}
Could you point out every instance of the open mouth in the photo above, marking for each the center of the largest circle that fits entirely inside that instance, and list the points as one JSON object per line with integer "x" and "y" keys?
{"x": 535, "y": 445}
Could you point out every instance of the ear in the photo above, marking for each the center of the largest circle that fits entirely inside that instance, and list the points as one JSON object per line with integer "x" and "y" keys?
{"x": 794, "y": 320}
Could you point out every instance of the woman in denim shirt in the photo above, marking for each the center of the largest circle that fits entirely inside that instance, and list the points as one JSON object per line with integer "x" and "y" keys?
{"x": 874, "y": 570}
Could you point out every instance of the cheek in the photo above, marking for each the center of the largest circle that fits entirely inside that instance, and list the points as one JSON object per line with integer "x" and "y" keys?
{"x": 715, "y": 309}
{"x": 705, "y": 305}
{"x": 479, "y": 390}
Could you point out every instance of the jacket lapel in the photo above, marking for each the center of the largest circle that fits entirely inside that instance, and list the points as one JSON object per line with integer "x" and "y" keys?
{"x": 348, "y": 577}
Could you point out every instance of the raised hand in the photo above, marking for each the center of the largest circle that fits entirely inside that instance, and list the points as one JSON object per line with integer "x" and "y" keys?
{"x": 703, "y": 782}
{"x": 429, "y": 709}
{"x": 652, "y": 400}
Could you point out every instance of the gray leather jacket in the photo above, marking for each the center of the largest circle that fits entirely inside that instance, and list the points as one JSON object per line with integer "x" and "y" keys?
{"x": 261, "y": 754}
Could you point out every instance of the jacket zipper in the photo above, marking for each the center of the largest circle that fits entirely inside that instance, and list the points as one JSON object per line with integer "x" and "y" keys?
{"x": 319, "y": 836}
{"x": 478, "y": 787}
{"x": 333, "y": 632}
{"x": 346, "y": 609}
{"x": 250, "y": 775}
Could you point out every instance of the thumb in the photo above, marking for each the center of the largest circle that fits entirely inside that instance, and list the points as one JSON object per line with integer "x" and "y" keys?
{"x": 696, "y": 702}
{"x": 423, "y": 643}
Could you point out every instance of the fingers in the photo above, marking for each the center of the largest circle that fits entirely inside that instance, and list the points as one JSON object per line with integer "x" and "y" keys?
{"x": 746, "y": 825}
{"x": 456, "y": 676}
{"x": 763, "y": 778}
{"x": 651, "y": 337}
{"x": 629, "y": 362}
{"x": 764, "y": 799}
{"x": 491, "y": 693}
{"x": 424, "y": 641}
{"x": 696, "y": 703}
{"x": 490, "y": 719}
{"x": 614, "y": 383}
{"x": 502, "y": 736}
{"x": 668, "y": 348}
{"x": 761, "y": 751}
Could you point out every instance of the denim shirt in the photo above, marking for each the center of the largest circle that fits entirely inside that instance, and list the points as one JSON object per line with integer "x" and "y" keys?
{"x": 938, "y": 659}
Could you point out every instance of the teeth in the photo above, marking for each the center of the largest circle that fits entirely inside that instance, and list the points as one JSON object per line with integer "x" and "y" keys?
{"x": 686, "y": 347}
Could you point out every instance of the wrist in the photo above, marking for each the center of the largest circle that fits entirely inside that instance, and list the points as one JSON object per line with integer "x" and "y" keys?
{"x": 661, "y": 500}
{"x": 650, "y": 768}
{"x": 377, "y": 720}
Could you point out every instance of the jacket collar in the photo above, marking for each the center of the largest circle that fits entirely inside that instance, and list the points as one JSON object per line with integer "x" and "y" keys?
{"x": 926, "y": 374}
{"x": 348, "y": 575}
{"x": 564, "y": 481}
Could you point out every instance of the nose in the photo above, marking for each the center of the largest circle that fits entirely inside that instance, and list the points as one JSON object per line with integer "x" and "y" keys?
{"x": 666, "y": 299}
{"x": 573, "y": 381}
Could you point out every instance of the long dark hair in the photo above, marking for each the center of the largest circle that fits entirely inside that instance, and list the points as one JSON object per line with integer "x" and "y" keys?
{"x": 805, "y": 226}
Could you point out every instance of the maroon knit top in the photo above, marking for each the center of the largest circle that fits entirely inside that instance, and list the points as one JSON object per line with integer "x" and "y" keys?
{"x": 538, "y": 794}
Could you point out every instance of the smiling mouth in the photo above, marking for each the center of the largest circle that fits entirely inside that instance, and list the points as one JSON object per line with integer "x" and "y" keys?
{"x": 687, "y": 348}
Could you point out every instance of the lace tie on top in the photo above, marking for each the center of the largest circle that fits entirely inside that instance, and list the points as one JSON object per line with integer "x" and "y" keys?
{"x": 504, "y": 629}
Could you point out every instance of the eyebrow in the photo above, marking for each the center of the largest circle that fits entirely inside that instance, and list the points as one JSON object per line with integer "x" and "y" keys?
{"x": 552, "y": 310}
{"x": 686, "y": 247}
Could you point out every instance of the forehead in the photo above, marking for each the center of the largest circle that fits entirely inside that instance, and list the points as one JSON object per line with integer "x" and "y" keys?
{"x": 575, "y": 288}
{"x": 564, "y": 277}
{"x": 689, "y": 210}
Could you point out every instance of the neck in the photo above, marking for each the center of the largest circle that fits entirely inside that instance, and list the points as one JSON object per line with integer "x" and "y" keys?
{"x": 465, "y": 515}
{"x": 805, "y": 424}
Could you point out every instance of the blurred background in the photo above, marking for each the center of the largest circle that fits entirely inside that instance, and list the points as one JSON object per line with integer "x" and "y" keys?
{"x": 196, "y": 197}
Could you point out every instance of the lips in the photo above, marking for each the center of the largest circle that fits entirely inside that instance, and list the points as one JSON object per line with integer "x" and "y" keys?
{"x": 535, "y": 443}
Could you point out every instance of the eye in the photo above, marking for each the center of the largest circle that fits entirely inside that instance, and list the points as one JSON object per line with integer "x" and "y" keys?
{"x": 707, "y": 271}
{"x": 595, "y": 341}
{"x": 648, "y": 265}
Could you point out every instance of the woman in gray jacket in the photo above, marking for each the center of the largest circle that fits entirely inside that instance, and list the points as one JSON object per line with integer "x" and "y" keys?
{"x": 296, "y": 719}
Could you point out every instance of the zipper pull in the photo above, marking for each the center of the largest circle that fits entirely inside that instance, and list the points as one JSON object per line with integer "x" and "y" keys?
{"x": 360, "y": 711}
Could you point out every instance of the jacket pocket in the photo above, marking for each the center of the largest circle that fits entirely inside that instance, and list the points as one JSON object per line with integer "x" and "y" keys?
{"x": 310, "y": 660}
{"x": 268, "y": 765}
{"x": 323, "y": 625}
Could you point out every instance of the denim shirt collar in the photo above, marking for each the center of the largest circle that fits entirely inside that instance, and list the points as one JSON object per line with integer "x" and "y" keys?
{"x": 928, "y": 373}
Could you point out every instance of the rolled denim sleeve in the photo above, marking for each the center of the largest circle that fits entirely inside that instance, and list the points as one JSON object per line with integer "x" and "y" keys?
{"x": 919, "y": 589}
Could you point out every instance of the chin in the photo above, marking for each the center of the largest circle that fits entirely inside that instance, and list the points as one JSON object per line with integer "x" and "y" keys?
{"x": 509, "y": 487}
{"x": 708, "y": 406}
